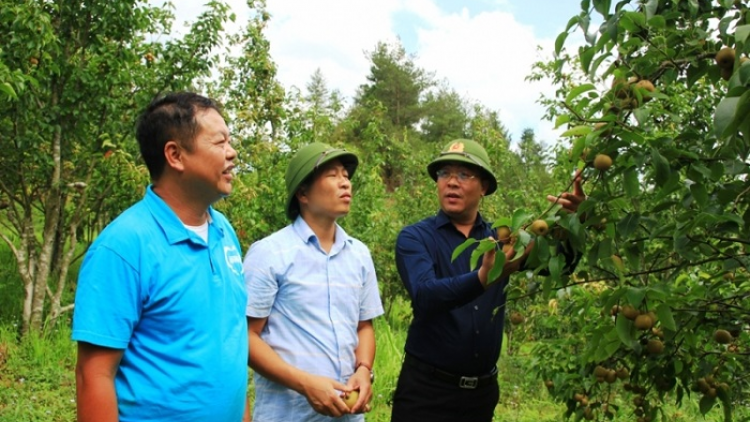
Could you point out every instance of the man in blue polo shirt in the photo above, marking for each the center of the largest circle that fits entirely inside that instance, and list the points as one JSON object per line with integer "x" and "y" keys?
{"x": 312, "y": 297}
{"x": 453, "y": 343}
{"x": 159, "y": 309}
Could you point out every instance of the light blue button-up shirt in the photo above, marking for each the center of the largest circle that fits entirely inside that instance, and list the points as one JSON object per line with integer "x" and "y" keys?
{"x": 313, "y": 301}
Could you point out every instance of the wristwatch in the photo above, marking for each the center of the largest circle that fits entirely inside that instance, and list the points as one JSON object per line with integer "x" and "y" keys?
{"x": 369, "y": 368}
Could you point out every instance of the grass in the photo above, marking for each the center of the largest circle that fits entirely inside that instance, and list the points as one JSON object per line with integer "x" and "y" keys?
{"x": 37, "y": 381}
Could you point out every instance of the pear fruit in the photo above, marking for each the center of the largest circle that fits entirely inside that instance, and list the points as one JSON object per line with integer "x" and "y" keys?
{"x": 725, "y": 58}
{"x": 503, "y": 234}
{"x": 655, "y": 346}
{"x": 647, "y": 86}
{"x": 539, "y": 227}
{"x": 602, "y": 162}
{"x": 630, "y": 312}
{"x": 351, "y": 398}
{"x": 644, "y": 322}
{"x": 516, "y": 318}
{"x": 722, "y": 336}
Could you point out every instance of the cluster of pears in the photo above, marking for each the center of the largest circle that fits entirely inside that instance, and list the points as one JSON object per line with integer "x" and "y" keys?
{"x": 629, "y": 94}
{"x": 609, "y": 375}
{"x": 537, "y": 227}
{"x": 643, "y": 321}
{"x": 629, "y": 91}
{"x": 709, "y": 387}
{"x": 583, "y": 401}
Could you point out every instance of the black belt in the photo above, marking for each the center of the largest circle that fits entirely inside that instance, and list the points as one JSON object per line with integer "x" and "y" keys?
{"x": 457, "y": 380}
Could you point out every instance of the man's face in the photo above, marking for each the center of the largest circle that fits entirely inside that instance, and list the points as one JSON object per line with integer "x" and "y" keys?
{"x": 329, "y": 196}
{"x": 460, "y": 189}
{"x": 209, "y": 162}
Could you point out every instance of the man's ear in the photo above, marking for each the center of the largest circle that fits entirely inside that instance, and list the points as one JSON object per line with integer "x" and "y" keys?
{"x": 301, "y": 195}
{"x": 485, "y": 186}
{"x": 173, "y": 155}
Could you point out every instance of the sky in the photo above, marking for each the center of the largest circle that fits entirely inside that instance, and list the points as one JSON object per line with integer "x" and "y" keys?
{"x": 483, "y": 49}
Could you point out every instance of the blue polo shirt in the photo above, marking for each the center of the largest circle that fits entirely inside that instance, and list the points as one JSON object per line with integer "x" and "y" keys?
{"x": 175, "y": 306}
{"x": 314, "y": 302}
{"x": 457, "y": 325}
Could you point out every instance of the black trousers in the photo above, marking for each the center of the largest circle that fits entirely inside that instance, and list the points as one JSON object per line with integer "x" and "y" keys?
{"x": 420, "y": 397}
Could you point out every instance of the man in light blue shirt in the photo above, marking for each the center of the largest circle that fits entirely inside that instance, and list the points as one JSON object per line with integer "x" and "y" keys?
{"x": 159, "y": 310}
{"x": 312, "y": 295}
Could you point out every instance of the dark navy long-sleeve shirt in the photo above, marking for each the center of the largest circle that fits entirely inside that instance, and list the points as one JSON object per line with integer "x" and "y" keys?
{"x": 457, "y": 325}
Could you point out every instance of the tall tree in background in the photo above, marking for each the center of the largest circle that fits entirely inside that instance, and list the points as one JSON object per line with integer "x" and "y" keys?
{"x": 531, "y": 151}
{"x": 396, "y": 83}
{"x": 73, "y": 75}
{"x": 386, "y": 110}
{"x": 446, "y": 115}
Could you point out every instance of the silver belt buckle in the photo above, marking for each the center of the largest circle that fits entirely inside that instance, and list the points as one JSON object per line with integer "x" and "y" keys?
{"x": 469, "y": 383}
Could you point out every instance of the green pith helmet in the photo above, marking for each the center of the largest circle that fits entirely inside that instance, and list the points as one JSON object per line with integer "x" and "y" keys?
{"x": 465, "y": 151}
{"x": 305, "y": 162}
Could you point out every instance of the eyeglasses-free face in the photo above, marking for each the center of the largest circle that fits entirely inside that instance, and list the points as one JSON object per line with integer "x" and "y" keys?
{"x": 462, "y": 176}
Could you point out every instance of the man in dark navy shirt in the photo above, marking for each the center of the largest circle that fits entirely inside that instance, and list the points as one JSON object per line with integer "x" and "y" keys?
{"x": 453, "y": 344}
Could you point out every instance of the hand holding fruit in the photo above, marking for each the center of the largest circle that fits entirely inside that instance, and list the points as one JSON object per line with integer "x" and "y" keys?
{"x": 360, "y": 392}
{"x": 321, "y": 393}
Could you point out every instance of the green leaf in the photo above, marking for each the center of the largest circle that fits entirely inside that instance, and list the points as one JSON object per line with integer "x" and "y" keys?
{"x": 598, "y": 61}
{"x": 637, "y": 18}
{"x": 503, "y": 221}
{"x": 561, "y": 120}
{"x": 497, "y": 268}
{"x": 462, "y": 247}
{"x": 741, "y": 34}
{"x": 657, "y": 22}
{"x": 700, "y": 196}
{"x": 629, "y": 224}
{"x": 706, "y": 404}
{"x": 578, "y": 91}
{"x": 650, "y": 8}
{"x": 631, "y": 183}
{"x": 560, "y": 41}
{"x": 572, "y": 22}
{"x": 664, "y": 312}
{"x": 556, "y": 264}
{"x": 661, "y": 167}
{"x": 586, "y": 55}
{"x": 577, "y": 131}
{"x": 724, "y": 116}
{"x": 484, "y": 246}
{"x": 7, "y": 89}
{"x": 635, "y": 295}
{"x": 625, "y": 331}
{"x": 602, "y": 6}
{"x": 521, "y": 216}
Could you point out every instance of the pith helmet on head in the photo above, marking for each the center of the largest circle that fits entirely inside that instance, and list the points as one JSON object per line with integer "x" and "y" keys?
{"x": 465, "y": 151}
{"x": 305, "y": 162}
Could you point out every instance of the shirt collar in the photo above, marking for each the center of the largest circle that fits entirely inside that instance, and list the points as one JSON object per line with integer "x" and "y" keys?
{"x": 173, "y": 227}
{"x": 442, "y": 219}
{"x": 307, "y": 235}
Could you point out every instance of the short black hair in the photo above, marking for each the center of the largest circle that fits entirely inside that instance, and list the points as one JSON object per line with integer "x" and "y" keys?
{"x": 169, "y": 117}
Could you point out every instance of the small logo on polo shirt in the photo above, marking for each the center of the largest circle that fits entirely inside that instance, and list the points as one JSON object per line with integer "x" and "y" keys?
{"x": 233, "y": 259}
